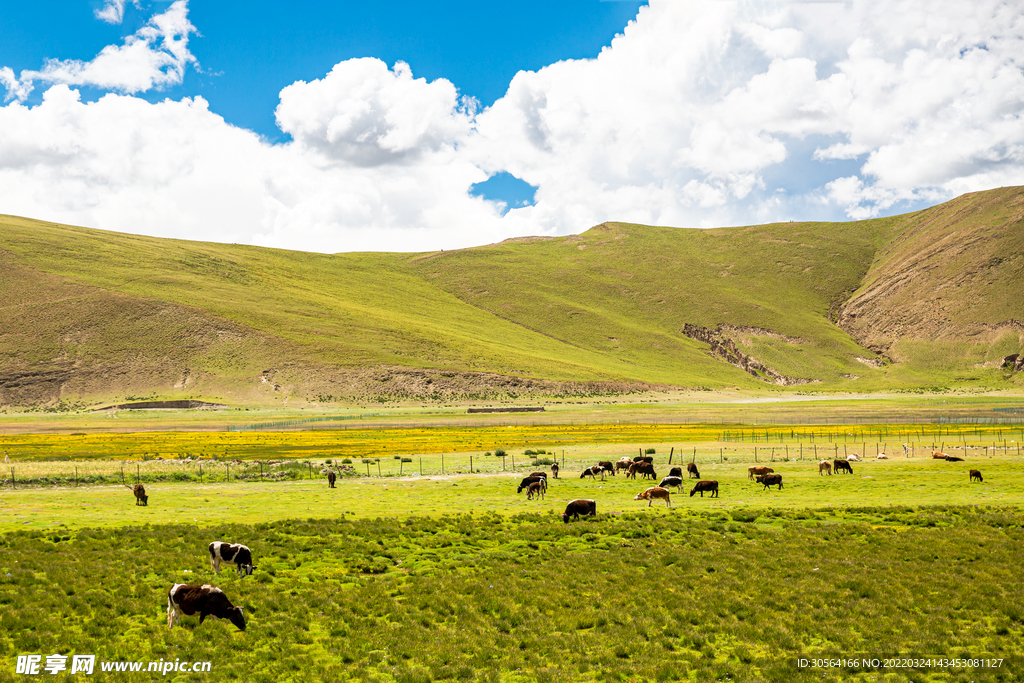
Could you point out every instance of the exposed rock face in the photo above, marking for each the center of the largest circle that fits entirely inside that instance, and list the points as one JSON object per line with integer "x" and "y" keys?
{"x": 1014, "y": 362}
{"x": 726, "y": 349}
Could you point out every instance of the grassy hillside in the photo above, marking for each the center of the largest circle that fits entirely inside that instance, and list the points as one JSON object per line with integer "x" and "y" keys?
{"x": 89, "y": 316}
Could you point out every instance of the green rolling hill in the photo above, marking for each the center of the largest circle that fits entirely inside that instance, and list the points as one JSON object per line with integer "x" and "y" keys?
{"x": 921, "y": 300}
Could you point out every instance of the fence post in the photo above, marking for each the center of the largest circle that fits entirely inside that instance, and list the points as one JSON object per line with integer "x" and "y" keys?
{"x": 13, "y": 484}
{"x": 378, "y": 468}
{"x": 367, "y": 467}
{"x": 200, "y": 471}
{"x": 694, "y": 459}
{"x": 471, "y": 464}
{"x": 261, "y": 470}
{"x": 670, "y": 455}
{"x": 421, "y": 465}
{"x": 401, "y": 465}
{"x": 721, "y": 455}
{"x": 136, "y": 473}
{"x": 755, "y": 453}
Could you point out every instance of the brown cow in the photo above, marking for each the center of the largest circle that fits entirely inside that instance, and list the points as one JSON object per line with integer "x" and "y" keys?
{"x": 841, "y": 466}
{"x": 623, "y": 464}
{"x": 936, "y": 455}
{"x": 976, "y": 474}
{"x": 654, "y": 492}
{"x": 578, "y": 507}
{"x": 691, "y": 468}
{"x": 702, "y": 486}
{"x": 209, "y": 601}
{"x": 770, "y": 480}
{"x": 953, "y": 458}
{"x": 331, "y": 478}
{"x": 825, "y": 467}
{"x": 676, "y": 472}
{"x": 140, "y": 495}
{"x": 644, "y": 468}
{"x": 554, "y": 470}
{"x": 757, "y": 470}
{"x": 535, "y": 489}
{"x": 525, "y": 483}
{"x": 607, "y": 466}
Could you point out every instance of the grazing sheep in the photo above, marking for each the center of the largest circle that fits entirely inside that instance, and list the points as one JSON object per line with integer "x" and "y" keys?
{"x": 711, "y": 486}
{"x": 654, "y": 492}
{"x": 824, "y": 467}
{"x": 976, "y": 474}
{"x": 578, "y": 507}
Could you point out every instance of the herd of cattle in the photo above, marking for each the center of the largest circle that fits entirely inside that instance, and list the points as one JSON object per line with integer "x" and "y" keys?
{"x": 210, "y": 601}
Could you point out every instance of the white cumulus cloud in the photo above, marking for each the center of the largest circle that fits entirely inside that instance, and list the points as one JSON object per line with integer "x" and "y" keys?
{"x": 701, "y": 113}
{"x": 155, "y": 56}
{"x": 112, "y": 11}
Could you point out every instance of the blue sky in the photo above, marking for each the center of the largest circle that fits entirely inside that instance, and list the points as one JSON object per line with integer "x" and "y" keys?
{"x": 248, "y": 55}
{"x": 419, "y": 126}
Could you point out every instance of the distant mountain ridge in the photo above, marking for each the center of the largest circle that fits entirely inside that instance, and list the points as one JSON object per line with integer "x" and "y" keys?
{"x": 921, "y": 300}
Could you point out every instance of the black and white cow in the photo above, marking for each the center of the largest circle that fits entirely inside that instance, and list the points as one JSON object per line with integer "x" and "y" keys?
{"x": 208, "y": 601}
{"x": 231, "y": 552}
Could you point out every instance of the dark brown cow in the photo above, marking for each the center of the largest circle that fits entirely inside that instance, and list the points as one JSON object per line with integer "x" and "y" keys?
{"x": 208, "y": 601}
{"x": 644, "y": 468}
{"x": 608, "y": 467}
{"x": 140, "y": 495}
{"x": 691, "y": 468}
{"x": 675, "y": 472}
{"x": 525, "y": 483}
{"x": 331, "y": 478}
{"x": 538, "y": 474}
{"x": 535, "y": 489}
{"x": 757, "y": 470}
{"x": 710, "y": 486}
{"x": 579, "y": 507}
{"x": 841, "y": 466}
{"x": 976, "y": 474}
{"x": 554, "y": 470}
{"x": 237, "y": 553}
{"x": 654, "y": 492}
{"x": 953, "y": 458}
{"x": 770, "y": 480}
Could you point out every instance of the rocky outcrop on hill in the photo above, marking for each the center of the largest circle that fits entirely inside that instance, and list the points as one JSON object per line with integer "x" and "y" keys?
{"x": 726, "y": 349}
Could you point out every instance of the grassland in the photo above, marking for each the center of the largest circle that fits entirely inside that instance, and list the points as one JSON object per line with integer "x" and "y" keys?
{"x": 91, "y": 316}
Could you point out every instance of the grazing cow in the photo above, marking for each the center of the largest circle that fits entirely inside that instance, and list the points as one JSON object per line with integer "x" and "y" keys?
{"x": 824, "y": 467}
{"x": 711, "y": 486}
{"x": 593, "y": 472}
{"x": 770, "y": 480}
{"x": 976, "y": 474}
{"x": 644, "y": 468}
{"x": 672, "y": 481}
{"x": 535, "y": 489}
{"x": 936, "y": 455}
{"x": 542, "y": 475}
{"x": 331, "y": 478}
{"x": 675, "y": 472}
{"x": 231, "y": 552}
{"x": 853, "y": 457}
{"x": 953, "y": 458}
{"x": 692, "y": 471}
{"x": 209, "y": 601}
{"x": 841, "y": 466}
{"x": 578, "y": 507}
{"x": 554, "y": 470}
{"x": 755, "y": 471}
{"x": 525, "y": 483}
{"x": 140, "y": 495}
{"x": 654, "y": 492}
{"x": 608, "y": 467}
{"x": 623, "y": 464}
